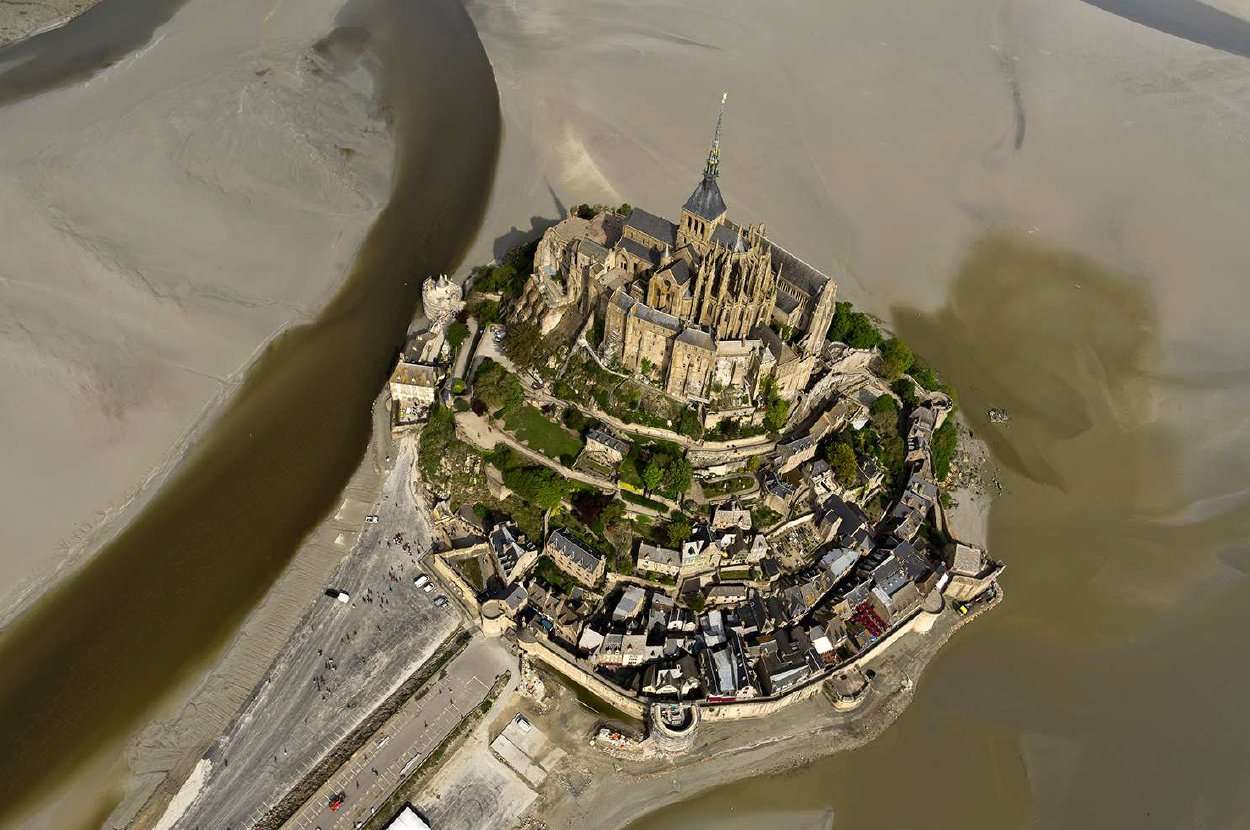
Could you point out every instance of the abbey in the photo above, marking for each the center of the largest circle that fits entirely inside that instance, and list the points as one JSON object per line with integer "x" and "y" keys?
{"x": 705, "y": 308}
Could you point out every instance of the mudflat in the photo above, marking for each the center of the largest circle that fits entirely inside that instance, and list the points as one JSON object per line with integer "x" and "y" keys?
{"x": 901, "y": 138}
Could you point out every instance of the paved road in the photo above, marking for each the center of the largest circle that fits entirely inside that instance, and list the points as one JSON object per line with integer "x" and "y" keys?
{"x": 466, "y": 349}
{"x": 373, "y": 773}
{"x": 341, "y": 661}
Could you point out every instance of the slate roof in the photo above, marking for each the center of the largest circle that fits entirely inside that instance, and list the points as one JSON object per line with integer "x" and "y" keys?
{"x": 656, "y": 227}
{"x": 584, "y": 558}
{"x": 641, "y": 251}
{"x": 697, "y": 337}
{"x": 651, "y": 315}
{"x": 706, "y": 201}
{"x": 608, "y": 440}
{"x": 786, "y": 303}
{"x": 728, "y": 237}
{"x": 680, "y": 270}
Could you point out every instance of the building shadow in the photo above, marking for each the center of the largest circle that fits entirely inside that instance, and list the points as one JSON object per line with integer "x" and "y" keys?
{"x": 538, "y": 225}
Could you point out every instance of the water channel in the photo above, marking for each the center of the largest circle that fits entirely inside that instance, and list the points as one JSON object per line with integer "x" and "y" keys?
{"x": 87, "y": 663}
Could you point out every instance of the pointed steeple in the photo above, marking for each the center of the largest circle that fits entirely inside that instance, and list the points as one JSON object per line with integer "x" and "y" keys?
{"x": 712, "y": 168}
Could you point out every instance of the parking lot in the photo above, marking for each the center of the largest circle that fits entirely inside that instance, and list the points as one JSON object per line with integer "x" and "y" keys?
{"x": 370, "y": 776}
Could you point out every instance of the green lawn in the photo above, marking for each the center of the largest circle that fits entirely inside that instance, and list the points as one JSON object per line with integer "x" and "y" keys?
{"x": 644, "y": 501}
{"x": 539, "y": 432}
{"x": 725, "y": 486}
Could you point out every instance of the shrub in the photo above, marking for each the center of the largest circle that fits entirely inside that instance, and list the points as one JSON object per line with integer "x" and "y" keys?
{"x": 537, "y": 485}
{"x": 496, "y": 386}
{"x": 945, "y": 441}
{"x": 906, "y": 390}
{"x": 853, "y": 328}
{"x": 844, "y": 464}
{"x": 457, "y": 332}
{"x": 896, "y": 358}
{"x": 486, "y": 311}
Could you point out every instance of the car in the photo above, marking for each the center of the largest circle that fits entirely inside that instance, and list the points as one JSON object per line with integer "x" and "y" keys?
{"x": 421, "y": 581}
{"x": 336, "y": 801}
{"x": 371, "y": 519}
{"x": 428, "y": 587}
{"x": 440, "y": 600}
{"x": 499, "y": 335}
{"x": 961, "y": 608}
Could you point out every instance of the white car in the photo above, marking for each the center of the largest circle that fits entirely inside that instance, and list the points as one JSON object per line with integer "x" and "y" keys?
{"x": 429, "y": 586}
{"x": 421, "y": 581}
{"x": 371, "y": 519}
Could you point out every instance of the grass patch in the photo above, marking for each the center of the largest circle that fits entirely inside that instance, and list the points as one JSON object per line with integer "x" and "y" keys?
{"x": 634, "y": 498}
{"x": 725, "y": 486}
{"x": 539, "y": 432}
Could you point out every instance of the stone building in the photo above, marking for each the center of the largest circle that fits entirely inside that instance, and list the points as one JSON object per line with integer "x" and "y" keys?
{"x": 691, "y": 305}
{"x": 576, "y": 561}
{"x": 413, "y": 388}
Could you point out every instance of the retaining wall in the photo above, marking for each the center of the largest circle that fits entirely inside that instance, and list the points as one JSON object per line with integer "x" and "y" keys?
{"x": 534, "y": 646}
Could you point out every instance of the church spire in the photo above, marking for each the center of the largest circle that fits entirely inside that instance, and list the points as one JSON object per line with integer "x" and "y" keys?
{"x": 712, "y": 168}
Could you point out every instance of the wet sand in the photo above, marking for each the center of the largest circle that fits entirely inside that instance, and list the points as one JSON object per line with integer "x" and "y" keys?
{"x": 103, "y": 651}
{"x": 1107, "y": 317}
{"x": 894, "y": 136}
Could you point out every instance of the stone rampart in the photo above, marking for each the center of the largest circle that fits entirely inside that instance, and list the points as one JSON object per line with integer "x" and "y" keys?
{"x": 536, "y": 646}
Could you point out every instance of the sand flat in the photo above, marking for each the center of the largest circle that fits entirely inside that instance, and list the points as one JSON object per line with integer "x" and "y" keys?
{"x": 161, "y": 221}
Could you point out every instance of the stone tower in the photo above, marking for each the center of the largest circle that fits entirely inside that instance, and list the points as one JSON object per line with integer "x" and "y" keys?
{"x": 705, "y": 210}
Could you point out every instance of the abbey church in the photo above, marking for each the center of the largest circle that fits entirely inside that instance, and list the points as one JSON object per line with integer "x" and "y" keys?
{"x": 704, "y": 308}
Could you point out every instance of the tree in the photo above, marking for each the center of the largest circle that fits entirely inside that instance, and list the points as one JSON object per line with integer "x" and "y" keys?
{"x": 677, "y": 477}
{"x": 486, "y": 311}
{"x": 652, "y": 475}
{"x": 678, "y": 530}
{"x": 896, "y": 358}
{"x": 775, "y": 414}
{"x": 688, "y": 423}
{"x": 891, "y": 453}
{"x": 645, "y": 367}
{"x": 625, "y": 209}
{"x": 925, "y": 377}
{"x": 537, "y": 485}
{"x": 588, "y": 507}
{"x": 906, "y": 390}
{"x": 496, "y": 386}
{"x": 853, "y": 328}
{"x": 945, "y": 441}
{"x": 457, "y": 333}
{"x": 844, "y": 464}
{"x": 524, "y": 345}
{"x": 884, "y": 412}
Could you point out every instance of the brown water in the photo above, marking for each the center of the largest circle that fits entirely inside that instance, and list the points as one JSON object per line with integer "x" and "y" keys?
{"x": 1109, "y": 689}
{"x": 88, "y": 663}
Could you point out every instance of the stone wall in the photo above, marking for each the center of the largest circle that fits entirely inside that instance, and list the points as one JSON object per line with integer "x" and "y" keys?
{"x": 534, "y": 645}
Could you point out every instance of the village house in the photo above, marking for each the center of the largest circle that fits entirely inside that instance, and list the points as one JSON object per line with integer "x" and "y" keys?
{"x": 575, "y": 560}
{"x": 413, "y": 388}
{"x": 605, "y": 448}
{"x": 658, "y": 560}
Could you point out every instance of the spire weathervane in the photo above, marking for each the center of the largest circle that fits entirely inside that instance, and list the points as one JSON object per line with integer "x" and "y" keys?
{"x": 713, "y": 155}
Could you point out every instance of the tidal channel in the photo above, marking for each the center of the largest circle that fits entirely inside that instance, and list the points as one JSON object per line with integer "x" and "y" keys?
{"x": 86, "y": 664}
